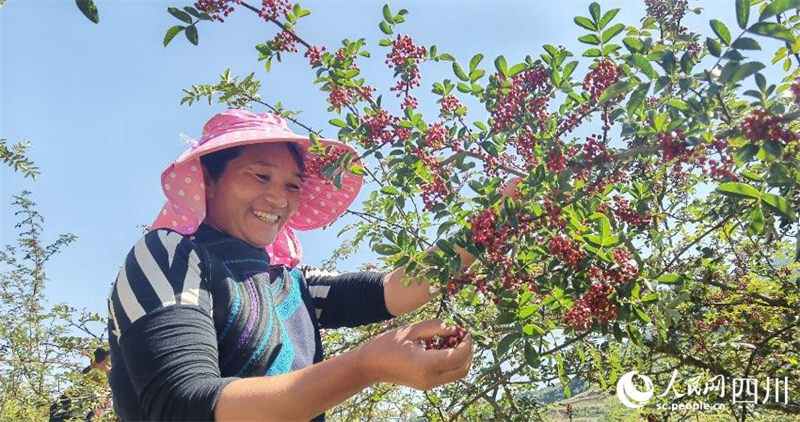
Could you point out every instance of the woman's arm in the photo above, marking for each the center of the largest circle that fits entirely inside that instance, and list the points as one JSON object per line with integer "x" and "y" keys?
{"x": 395, "y": 356}
{"x": 402, "y": 299}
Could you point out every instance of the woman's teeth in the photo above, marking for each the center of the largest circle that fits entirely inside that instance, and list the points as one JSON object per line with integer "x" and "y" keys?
{"x": 269, "y": 218}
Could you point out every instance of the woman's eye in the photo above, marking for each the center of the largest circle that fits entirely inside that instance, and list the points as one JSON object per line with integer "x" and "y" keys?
{"x": 262, "y": 177}
{"x": 294, "y": 188}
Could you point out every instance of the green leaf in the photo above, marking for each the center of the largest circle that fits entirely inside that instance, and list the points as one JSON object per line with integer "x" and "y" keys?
{"x": 387, "y": 14}
{"x": 607, "y": 18}
{"x": 637, "y": 98}
{"x": 756, "y": 220}
{"x": 533, "y": 330}
{"x": 721, "y": 30}
{"x": 385, "y": 28}
{"x": 171, "y": 33}
{"x": 501, "y": 65}
{"x": 744, "y": 43}
{"x": 644, "y": 65}
{"x": 612, "y": 32}
{"x": 594, "y": 10}
{"x": 779, "y": 205}
{"x": 739, "y": 190}
{"x": 678, "y": 104}
{"x": 531, "y": 357}
{"x": 777, "y": 7}
{"x": 714, "y": 47}
{"x": 446, "y": 246}
{"x": 741, "y": 72}
{"x": 633, "y": 44}
{"x": 519, "y": 67}
{"x": 191, "y": 34}
{"x": 384, "y": 249}
{"x": 88, "y": 9}
{"x": 670, "y": 278}
{"x": 773, "y": 30}
{"x": 475, "y": 61}
{"x": 506, "y": 342}
{"x": 614, "y": 90}
{"x": 641, "y": 315}
{"x": 585, "y": 23}
{"x": 591, "y": 39}
{"x": 180, "y": 14}
{"x": 746, "y": 153}
{"x": 592, "y": 52}
{"x": 338, "y": 123}
{"x": 742, "y": 13}
{"x": 460, "y": 72}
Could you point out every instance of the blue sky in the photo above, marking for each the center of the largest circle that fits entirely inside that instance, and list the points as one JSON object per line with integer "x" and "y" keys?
{"x": 100, "y": 103}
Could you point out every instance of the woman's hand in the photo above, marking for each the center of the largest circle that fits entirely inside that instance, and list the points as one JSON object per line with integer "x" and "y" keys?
{"x": 509, "y": 189}
{"x": 398, "y": 356}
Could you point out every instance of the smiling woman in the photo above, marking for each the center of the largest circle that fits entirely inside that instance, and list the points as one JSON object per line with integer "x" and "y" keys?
{"x": 210, "y": 300}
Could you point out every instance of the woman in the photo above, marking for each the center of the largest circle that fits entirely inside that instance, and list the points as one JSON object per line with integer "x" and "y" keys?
{"x": 210, "y": 300}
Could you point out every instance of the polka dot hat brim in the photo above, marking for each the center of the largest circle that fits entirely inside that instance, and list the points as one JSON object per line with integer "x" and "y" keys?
{"x": 320, "y": 203}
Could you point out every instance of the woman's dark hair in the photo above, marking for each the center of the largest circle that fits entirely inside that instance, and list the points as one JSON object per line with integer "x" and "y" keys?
{"x": 216, "y": 161}
{"x": 100, "y": 354}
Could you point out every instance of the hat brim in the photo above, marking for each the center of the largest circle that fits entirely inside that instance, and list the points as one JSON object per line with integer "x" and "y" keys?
{"x": 320, "y": 203}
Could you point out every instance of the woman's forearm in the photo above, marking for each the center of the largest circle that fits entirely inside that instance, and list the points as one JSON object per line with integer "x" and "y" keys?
{"x": 297, "y": 395}
{"x": 401, "y": 299}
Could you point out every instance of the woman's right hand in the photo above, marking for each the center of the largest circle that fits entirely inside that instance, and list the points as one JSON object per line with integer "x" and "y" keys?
{"x": 397, "y": 356}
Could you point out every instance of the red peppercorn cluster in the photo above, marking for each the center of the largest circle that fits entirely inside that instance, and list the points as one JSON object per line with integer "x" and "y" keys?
{"x": 594, "y": 304}
{"x": 796, "y": 90}
{"x": 338, "y": 98}
{"x": 436, "y": 136}
{"x": 566, "y": 250}
{"x": 271, "y": 9}
{"x": 404, "y": 60}
{"x": 434, "y": 192}
{"x": 556, "y": 162}
{"x": 508, "y": 107}
{"x": 594, "y": 151}
{"x": 760, "y": 126}
{"x": 491, "y": 165}
{"x": 605, "y": 74}
{"x": 446, "y": 342}
{"x": 573, "y": 119}
{"x": 217, "y": 9}
{"x": 525, "y": 145}
{"x": 409, "y": 101}
{"x": 718, "y": 169}
{"x": 449, "y": 104}
{"x": 283, "y": 41}
{"x": 553, "y": 214}
{"x": 668, "y": 13}
{"x": 314, "y": 55}
{"x": 673, "y": 146}
{"x": 317, "y": 163}
{"x": 378, "y": 127}
{"x": 623, "y": 211}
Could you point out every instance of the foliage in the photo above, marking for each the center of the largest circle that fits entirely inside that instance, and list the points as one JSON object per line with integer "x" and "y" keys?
{"x": 41, "y": 345}
{"x": 15, "y": 158}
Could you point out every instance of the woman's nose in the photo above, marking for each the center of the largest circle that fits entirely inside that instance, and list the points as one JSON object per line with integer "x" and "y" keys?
{"x": 276, "y": 199}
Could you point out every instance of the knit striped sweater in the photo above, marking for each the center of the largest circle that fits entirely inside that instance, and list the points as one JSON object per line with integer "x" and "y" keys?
{"x": 189, "y": 314}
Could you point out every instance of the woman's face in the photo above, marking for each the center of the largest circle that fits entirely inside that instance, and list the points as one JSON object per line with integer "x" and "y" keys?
{"x": 255, "y": 195}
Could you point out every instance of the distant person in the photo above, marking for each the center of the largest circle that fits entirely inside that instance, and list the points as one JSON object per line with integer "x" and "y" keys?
{"x": 72, "y": 404}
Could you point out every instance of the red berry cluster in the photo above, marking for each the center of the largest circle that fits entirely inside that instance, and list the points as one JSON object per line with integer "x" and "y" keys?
{"x": 573, "y": 119}
{"x": 508, "y": 107}
{"x": 314, "y": 55}
{"x": 458, "y": 281}
{"x": 317, "y": 163}
{"x": 409, "y": 101}
{"x": 621, "y": 273}
{"x": 447, "y": 342}
{"x": 449, "y": 104}
{"x": 566, "y": 250}
{"x": 338, "y": 98}
{"x": 556, "y": 162}
{"x": 283, "y": 41}
{"x": 436, "y": 136}
{"x": 491, "y": 165}
{"x": 497, "y": 242}
{"x": 623, "y": 211}
{"x": 719, "y": 169}
{"x": 594, "y": 151}
{"x": 434, "y": 192}
{"x": 404, "y": 60}
{"x": 668, "y": 13}
{"x": 553, "y": 211}
{"x": 605, "y": 74}
{"x": 796, "y": 90}
{"x": 378, "y": 128}
{"x": 760, "y": 126}
{"x": 270, "y": 9}
{"x": 525, "y": 145}
{"x": 218, "y": 9}
{"x": 673, "y": 146}
{"x": 594, "y": 304}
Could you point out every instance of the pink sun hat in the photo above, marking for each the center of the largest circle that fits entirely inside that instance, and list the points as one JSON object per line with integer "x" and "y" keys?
{"x": 320, "y": 201}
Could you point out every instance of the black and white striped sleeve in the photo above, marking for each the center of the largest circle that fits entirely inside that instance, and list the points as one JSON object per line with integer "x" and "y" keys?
{"x": 160, "y": 316}
{"x": 346, "y": 300}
